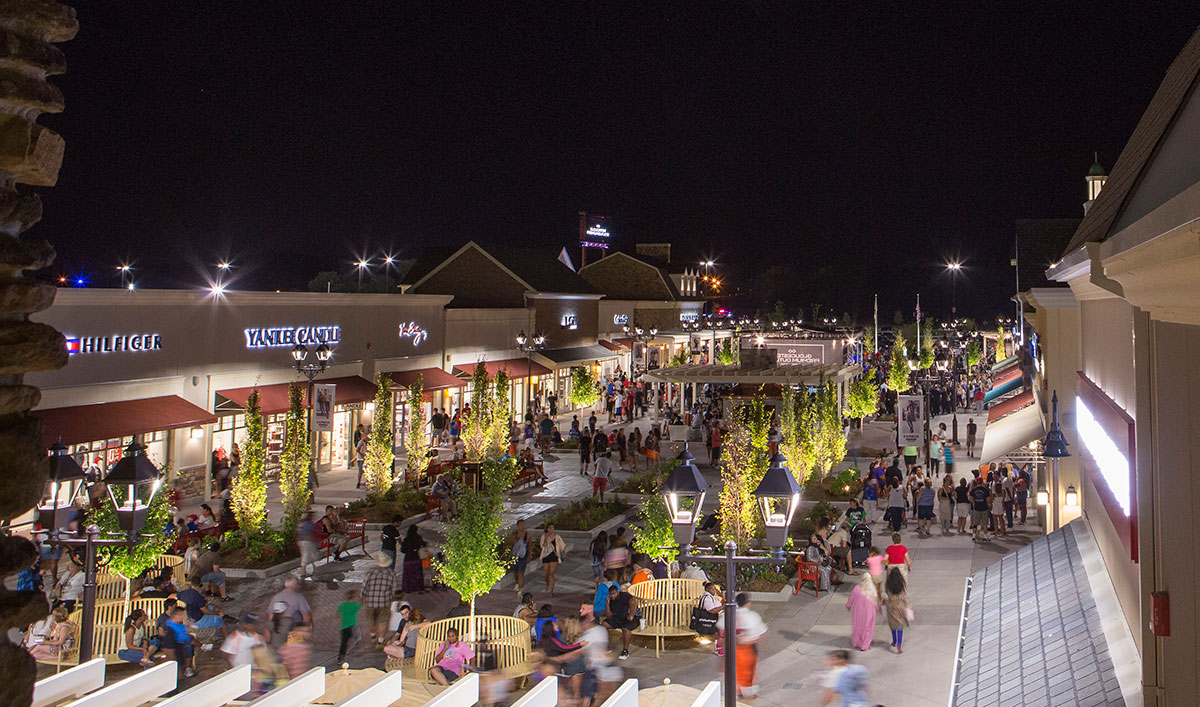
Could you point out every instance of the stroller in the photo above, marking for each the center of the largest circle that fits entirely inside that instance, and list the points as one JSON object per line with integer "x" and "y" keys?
{"x": 860, "y": 544}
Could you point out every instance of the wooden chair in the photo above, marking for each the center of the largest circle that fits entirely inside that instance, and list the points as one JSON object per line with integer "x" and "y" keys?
{"x": 666, "y": 606}
{"x": 507, "y": 637}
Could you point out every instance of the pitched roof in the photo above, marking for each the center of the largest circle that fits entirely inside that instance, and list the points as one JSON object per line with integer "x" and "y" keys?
{"x": 642, "y": 260}
{"x": 1150, "y": 130}
{"x": 538, "y": 269}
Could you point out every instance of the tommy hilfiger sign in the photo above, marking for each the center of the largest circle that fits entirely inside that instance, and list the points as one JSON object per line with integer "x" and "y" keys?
{"x": 290, "y": 336}
{"x": 114, "y": 343}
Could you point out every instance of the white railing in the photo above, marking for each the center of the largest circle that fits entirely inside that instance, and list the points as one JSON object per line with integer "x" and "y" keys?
{"x": 135, "y": 690}
{"x": 380, "y": 693}
{"x": 463, "y": 693}
{"x": 710, "y": 696}
{"x": 625, "y": 696}
{"x": 544, "y": 694}
{"x": 75, "y": 682}
{"x": 215, "y": 692}
{"x": 294, "y": 693}
{"x": 959, "y": 639}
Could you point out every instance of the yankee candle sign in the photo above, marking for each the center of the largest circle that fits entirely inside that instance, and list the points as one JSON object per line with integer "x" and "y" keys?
{"x": 290, "y": 336}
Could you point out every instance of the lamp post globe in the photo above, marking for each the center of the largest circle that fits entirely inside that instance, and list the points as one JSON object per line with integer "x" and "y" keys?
{"x": 324, "y": 352}
{"x": 778, "y": 497}
{"x": 63, "y": 469}
{"x": 684, "y": 492}
{"x": 299, "y": 352}
{"x": 133, "y": 472}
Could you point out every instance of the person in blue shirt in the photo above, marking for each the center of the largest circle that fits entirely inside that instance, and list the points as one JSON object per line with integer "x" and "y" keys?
{"x": 600, "y": 601}
{"x": 845, "y": 680}
{"x": 546, "y": 621}
{"x": 30, "y": 578}
{"x": 177, "y": 642}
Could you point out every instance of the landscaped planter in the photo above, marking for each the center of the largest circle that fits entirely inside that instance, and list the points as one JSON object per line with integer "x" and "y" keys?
{"x": 585, "y": 536}
{"x": 784, "y": 594}
{"x": 272, "y": 571}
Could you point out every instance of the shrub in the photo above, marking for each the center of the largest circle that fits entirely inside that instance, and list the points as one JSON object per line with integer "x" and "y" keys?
{"x": 586, "y": 514}
{"x": 645, "y": 482}
{"x": 398, "y": 500}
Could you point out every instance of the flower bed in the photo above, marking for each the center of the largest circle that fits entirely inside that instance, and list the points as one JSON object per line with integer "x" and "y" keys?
{"x": 645, "y": 482}
{"x": 401, "y": 500}
{"x": 585, "y": 514}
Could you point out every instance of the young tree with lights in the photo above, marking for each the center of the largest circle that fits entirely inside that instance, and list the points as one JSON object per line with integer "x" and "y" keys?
{"x": 380, "y": 463}
{"x": 796, "y": 423}
{"x": 830, "y": 436}
{"x": 585, "y": 388}
{"x": 744, "y": 460}
{"x": 1001, "y": 354}
{"x": 973, "y": 354}
{"x": 500, "y": 415}
{"x": 726, "y": 355}
{"x": 130, "y": 561}
{"x": 248, "y": 493}
{"x": 416, "y": 439}
{"x": 897, "y": 378}
{"x": 294, "y": 463}
{"x": 926, "y": 346}
{"x": 655, "y": 537}
{"x": 862, "y": 400}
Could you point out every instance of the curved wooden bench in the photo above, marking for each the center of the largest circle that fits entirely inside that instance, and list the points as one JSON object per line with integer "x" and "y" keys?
{"x": 104, "y": 576}
{"x": 666, "y": 606}
{"x": 107, "y": 640}
{"x": 507, "y": 638}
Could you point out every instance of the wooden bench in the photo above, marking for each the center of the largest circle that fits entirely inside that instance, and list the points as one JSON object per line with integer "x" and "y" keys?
{"x": 432, "y": 503}
{"x": 529, "y": 474}
{"x": 107, "y": 639}
{"x": 355, "y": 530}
{"x": 666, "y": 606}
{"x": 181, "y": 542}
{"x": 507, "y": 638}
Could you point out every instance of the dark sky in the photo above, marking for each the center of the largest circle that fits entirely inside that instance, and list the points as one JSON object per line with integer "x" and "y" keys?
{"x": 859, "y": 148}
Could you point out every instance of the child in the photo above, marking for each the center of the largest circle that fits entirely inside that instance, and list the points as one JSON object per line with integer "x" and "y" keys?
{"x": 348, "y": 610}
{"x": 875, "y": 568}
{"x": 190, "y": 556}
{"x": 398, "y": 604}
{"x": 899, "y": 610}
{"x": 296, "y": 654}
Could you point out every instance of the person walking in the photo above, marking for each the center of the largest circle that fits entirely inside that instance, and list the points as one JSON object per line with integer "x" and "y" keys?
{"x": 413, "y": 574}
{"x": 520, "y": 551}
{"x": 750, "y": 630}
{"x": 899, "y": 609}
{"x": 896, "y": 503}
{"x": 962, "y": 505}
{"x": 554, "y": 550}
{"x": 863, "y": 606}
{"x": 935, "y": 455}
{"x": 897, "y": 556}
{"x": 604, "y": 469}
{"x": 945, "y": 499}
{"x": 925, "y": 501}
{"x": 379, "y": 586}
{"x": 845, "y": 680}
{"x": 585, "y": 453}
{"x": 360, "y": 457}
{"x": 1000, "y": 499}
{"x": 972, "y": 428}
{"x": 981, "y": 500}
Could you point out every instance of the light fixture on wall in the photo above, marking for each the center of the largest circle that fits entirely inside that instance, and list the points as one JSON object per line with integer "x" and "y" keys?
{"x": 197, "y": 432}
{"x": 1072, "y": 498}
{"x": 1043, "y": 497}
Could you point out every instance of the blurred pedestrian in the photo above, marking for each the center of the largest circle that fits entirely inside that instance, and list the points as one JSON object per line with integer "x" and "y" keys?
{"x": 750, "y": 630}
{"x": 899, "y": 609}
{"x": 863, "y": 606}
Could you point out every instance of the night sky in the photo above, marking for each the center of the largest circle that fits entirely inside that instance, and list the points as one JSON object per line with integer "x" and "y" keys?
{"x": 859, "y": 149}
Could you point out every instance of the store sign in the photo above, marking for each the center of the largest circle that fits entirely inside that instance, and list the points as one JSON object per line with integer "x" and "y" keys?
{"x": 275, "y": 337}
{"x": 912, "y": 420}
{"x": 620, "y": 319}
{"x": 322, "y": 411}
{"x": 689, "y": 316}
{"x": 1108, "y": 437}
{"x": 115, "y": 343}
{"x": 596, "y": 234}
{"x": 800, "y": 355}
{"x": 569, "y": 321}
{"x": 412, "y": 331}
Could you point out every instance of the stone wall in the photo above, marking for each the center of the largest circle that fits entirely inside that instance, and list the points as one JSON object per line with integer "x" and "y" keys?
{"x": 190, "y": 482}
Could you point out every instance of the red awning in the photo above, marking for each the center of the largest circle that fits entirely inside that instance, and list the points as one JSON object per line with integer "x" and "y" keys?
{"x": 1005, "y": 376}
{"x": 273, "y": 398}
{"x": 613, "y": 346}
{"x": 514, "y": 367}
{"x": 1010, "y": 405}
{"x": 431, "y": 379}
{"x": 88, "y": 423}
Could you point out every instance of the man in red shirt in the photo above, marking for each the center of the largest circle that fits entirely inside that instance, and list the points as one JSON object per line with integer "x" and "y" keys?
{"x": 897, "y": 556}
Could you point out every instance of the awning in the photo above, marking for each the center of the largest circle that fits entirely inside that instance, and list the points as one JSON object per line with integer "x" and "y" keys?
{"x": 1001, "y": 365}
{"x": 1002, "y": 390}
{"x": 1006, "y": 375}
{"x": 431, "y": 379}
{"x": 273, "y": 399}
{"x": 88, "y": 423}
{"x": 575, "y": 355}
{"x": 613, "y": 346}
{"x": 1009, "y": 406}
{"x": 1013, "y": 432}
{"x": 514, "y": 367}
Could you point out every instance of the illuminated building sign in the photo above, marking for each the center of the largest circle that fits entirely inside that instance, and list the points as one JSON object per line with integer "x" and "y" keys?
{"x": 569, "y": 321}
{"x": 593, "y": 232}
{"x": 414, "y": 331}
{"x": 689, "y": 316}
{"x": 620, "y": 319}
{"x": 1113, "y": 465}
{"x": 1108, "y": 457}
{"x": 115, "y": 343}
{"x": 275, "y": 337}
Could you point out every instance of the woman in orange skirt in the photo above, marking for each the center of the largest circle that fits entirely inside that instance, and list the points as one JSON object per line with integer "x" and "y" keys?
{"x": 750, "y": 629}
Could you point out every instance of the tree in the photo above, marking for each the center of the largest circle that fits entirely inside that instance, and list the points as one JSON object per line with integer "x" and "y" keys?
{"x": 585, "y": 388}
{"x": 743, "y": 463}
{"x": 655, "y": 537}
{"x": 381, "y": 460}
{"x": 973, "y": 354}
{"x": 726, "y": 356}
{"x": 416, "y": 439}
{"x": 926, "y": 345}
{"x": 473, "y": 562}
{"x": 682, "y": 357}
{"x": 499, "y": 415}
{"x": 1000, "y": 352}
{"x": 869, "y": 341}
{"x": 294, "y": 462}
{"x": 796, "y": 418}
{"x": 475, "y": 422}
{"x": 248, "y": 494}
{"x": 897, "y": 377}
{"x": 130, "y": 561}
{"x": 863, "y": 399}
{"x": 830, "y": 438}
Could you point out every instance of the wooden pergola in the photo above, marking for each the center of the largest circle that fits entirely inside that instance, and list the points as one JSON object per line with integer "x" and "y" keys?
{"x": 757, "y": 374}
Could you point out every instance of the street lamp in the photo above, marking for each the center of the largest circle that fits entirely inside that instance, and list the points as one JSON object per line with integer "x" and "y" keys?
{"x": 63, "y": 470}
{"x": 528, "y": 345}
{"x": 361, "y": 265}
{"x": 1055, "y": 447}
{"x": 642, "y": 336}
{"x": 133, "y": 472}
{"x": 310, "y": 371}
{"x": 773, "y": 490}
{"x": 954, "y": 268}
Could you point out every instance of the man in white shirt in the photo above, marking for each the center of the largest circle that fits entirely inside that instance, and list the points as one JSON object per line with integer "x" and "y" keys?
{"x": 693, "y": 571}
{"x": 604, "y": 469}
{"x": 240, "y": 644}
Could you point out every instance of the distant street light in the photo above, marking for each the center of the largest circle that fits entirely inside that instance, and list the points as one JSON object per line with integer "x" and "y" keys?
{"x": 361, "y": 265}
{"x": 954, "y": 268}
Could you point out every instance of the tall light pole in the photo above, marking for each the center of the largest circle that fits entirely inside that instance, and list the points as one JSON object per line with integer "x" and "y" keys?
{"x": 643, "y": 336}
{"x": 361, "y": 265}
{"x": 954, "y": 268}
{"x": 527, "y": 345}
{"x": 388, "y": 262}
{"x": 778, "y": 496}
{"x": 1054, "y": 447}
{"x": 311, "y": 371}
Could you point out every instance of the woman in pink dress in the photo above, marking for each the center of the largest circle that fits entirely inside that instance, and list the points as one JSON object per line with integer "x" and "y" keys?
{"x": 863, "y": 606}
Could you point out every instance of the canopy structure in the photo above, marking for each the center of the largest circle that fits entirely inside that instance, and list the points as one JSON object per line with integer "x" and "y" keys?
{"x": 1004, "y": 363}
{"x": 575, "y": 355}
{"x": 1010, "y": 405}
{"x": 1003, "y": 389}
{"x": 273, "y": 399}
{"x": 87, "y": 423}
{"x": 1013, "y": 434}
{"x": 813, "y": 374}
{"x": 512, "y": 367}
{"x": 1008, "y": 374}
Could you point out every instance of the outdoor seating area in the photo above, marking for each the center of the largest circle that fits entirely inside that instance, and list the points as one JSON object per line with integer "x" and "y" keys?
{"x": 666, "y": 606}
{"x": 506, "y": 638}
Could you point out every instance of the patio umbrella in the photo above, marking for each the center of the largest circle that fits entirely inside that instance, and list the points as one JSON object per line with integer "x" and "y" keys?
{"x": 340, "y": 684}
{"x": 669, "y": 695}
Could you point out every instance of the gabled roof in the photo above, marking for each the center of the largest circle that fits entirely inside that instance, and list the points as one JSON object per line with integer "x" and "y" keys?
{"x": 536, "y": 270}
{"x": 1150, "y": 130}
{"x": 639, "y": 260}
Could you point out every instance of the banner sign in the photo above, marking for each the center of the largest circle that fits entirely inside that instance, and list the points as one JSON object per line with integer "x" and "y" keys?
{"x": 322, "y": 411}
{"x": 912, "y": 420}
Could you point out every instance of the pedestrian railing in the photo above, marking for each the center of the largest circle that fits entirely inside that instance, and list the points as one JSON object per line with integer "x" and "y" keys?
{"x": 544, "y": 694}
{"x": 143, "y": 687}
{"x": 218, "y": 691}
{"x": 959, "y": 640}
{"x": 75, "y": 682}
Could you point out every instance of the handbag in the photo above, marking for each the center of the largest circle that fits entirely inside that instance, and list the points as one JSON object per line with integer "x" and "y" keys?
{"x": 908, "y": 613}
{"x": 703, "y": 622}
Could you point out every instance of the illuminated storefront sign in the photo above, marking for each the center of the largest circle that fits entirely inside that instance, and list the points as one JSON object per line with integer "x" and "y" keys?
{"x": 799, "y": 354}
{"x": 570, "y": 321}
{"x": 414, "y": 331}
{"x": 275, "y": 337}
{"x": 689, "y": 316}
{"x": 115, "y": 343}
{"x": 1113, "y": 465}
{"x": 620, "y": 319}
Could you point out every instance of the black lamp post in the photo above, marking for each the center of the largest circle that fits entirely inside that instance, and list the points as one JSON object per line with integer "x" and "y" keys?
{"x": 310, "y": 371}
{"x": 133, "y": 472}
{"x": 1055, "y": 447}
{"x": 527, "y": 345}
{"x": 778, "y": 497}
{"x": 642, "y": 336}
